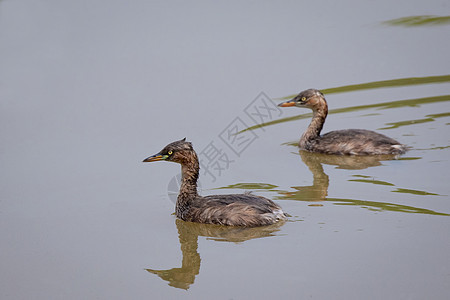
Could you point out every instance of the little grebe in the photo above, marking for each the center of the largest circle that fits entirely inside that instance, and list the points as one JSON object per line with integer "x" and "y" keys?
{"x": 348, "y": 141}
{"x": 235, "y": 209}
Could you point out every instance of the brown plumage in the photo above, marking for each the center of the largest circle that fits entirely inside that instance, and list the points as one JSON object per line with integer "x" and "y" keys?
{"x": 348, "y": 141}
{"x": 236, "y": 209}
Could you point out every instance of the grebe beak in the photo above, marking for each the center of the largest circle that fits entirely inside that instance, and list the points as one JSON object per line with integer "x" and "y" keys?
{"x": 287, "y": 103}
{"x": 156, "y": 157}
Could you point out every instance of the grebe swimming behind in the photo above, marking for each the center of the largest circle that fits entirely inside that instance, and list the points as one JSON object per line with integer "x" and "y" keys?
{"x": 235, "y": 210}
{"x": 348, "y": 141}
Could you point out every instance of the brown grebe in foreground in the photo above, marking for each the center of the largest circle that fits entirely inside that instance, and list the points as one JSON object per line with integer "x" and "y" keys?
{"x": 235, "y": 210}
{"x": 348, "y": 141}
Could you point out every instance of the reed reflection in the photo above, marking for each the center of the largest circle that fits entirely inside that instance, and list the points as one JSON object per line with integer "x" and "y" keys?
{"x": 400, "y": 82}
{"x": 188, "y": 232}
{"x": 414, "y": 21}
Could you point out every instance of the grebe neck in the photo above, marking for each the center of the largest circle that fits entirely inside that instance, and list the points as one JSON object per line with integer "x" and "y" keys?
{"x": 315, "y": 127}
{"x": 188, "y": 188}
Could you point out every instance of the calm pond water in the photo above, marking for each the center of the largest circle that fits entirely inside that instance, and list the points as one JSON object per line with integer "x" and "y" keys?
{"x": 90, "y": 88}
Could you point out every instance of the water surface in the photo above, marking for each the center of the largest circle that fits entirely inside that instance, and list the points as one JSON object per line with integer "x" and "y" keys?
{"x": 89, "y": 89}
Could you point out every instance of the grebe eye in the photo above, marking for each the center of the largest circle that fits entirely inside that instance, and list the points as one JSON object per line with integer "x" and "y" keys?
{"x": 170, "y": 152}
{"x": 303, "y": 98}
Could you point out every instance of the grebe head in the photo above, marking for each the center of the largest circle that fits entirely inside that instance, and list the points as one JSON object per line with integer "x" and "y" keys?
{"x": 310, "y": 98}
{"x": 179, "y": 152}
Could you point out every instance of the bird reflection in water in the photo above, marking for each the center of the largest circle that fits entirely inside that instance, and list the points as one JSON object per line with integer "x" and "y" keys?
{"x": 318, "y": 191}
{"x": 184, "y": 276}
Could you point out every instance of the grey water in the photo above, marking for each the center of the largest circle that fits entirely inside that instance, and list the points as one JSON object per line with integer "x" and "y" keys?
{"x": 88, "y": 89}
